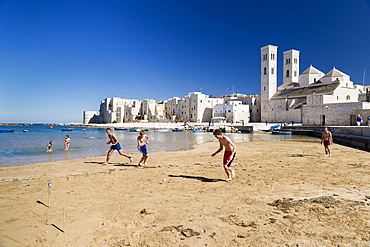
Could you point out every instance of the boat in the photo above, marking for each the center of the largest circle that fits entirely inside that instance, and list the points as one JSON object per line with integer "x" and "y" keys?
{"x": 67, "y": 129}
{"x": 161, "y": 130}
{"x": 7, "y": 131}
{"x": 25, "y": 130}
{"x": 197, "y": 130}
{"x": 123, "y": 129}
{"x": 275, "y": 127}
{"x": 281, "y": 132}
{"x": 138, "y": 130}
{"x": 177, "y": 130}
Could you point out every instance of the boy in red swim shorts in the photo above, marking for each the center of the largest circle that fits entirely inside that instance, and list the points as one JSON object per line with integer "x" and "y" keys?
{"x": 229, "y": 155}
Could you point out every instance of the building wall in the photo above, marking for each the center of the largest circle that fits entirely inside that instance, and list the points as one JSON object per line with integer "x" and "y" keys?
{"x": 279, "y": 111}
{"x": 338, "y": 114}
{"x": 88, "y": 116}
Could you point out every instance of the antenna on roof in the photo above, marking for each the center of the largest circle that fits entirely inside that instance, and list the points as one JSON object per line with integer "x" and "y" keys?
{"x": 363, "y": 78}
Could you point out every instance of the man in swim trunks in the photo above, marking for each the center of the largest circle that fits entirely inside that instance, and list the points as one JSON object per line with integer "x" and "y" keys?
{"x": 141, "y": 146}
{"x": 113, "y": 140}
{"x": 229, "y": 155}
{"x": 327, "y": 139}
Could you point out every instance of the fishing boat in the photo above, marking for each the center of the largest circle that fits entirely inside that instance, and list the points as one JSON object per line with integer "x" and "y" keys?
{"x": 281, "y": 132}
{"x": 7, "y": 131}
{"x": 177, "y": 130}
{"x": 161, "y": 130}
{"x": 67, "y": 129}
{"x": 137, "y": 130}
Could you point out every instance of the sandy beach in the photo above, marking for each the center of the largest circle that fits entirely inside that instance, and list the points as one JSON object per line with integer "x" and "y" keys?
{"x": 285, "y": 194}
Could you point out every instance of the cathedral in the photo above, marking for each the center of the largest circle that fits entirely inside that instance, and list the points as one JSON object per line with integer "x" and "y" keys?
{"x": 310, "y": 98}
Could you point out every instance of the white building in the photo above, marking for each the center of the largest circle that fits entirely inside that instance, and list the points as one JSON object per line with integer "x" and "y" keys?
{"x": 305, "y": 97}
{"x": 234, "y": 111}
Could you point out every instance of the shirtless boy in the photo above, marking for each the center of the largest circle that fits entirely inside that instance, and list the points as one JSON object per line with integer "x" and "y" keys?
{"x": 114, "y": 142}
{"x": 327, "y": 139}
{"x": 229, "y": 155}
{"x": 141, "y": 146}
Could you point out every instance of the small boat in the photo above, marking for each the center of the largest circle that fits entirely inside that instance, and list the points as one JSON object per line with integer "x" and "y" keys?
{"x": 123, "y": 129}
{"x": 25, "y": 130}
{"x": 161, "y": 130}
{"x": 275, "y": 127}
{"x": 67, "y": 129}
{"x": 138, "y": 130}
{"x": 197, "y": 130}
{"x": 177, "y": 130}
{"x": 281, "y": 132}
{"x": 7, "y": 131}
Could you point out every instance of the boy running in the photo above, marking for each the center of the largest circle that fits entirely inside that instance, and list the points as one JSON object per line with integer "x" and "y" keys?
{"x": 141, "y": 146}
{"x": 229, "y": 155}
{"x": 113, "y": 140}
{"x": 327, "y": 139}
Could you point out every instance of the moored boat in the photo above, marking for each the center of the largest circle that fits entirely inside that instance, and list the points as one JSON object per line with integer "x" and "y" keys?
{"x": 67, "y": 129}
{"x": 161, "y": 130}
{"x": 177, "y": 130}
{"x": 7, "y": 130}
{"x": 281, "y": 132}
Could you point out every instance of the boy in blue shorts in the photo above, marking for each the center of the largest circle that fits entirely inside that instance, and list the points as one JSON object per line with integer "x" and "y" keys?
{"x": 113, "y": 140}
{"x": 141, "y": 146}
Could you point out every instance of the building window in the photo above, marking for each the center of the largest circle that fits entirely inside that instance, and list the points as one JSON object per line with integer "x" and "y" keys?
{"x": 314, "y": 80}
{"x": 264, "y": 88}
{"x": 348, "y": 97}
{"x": 264, "y": 71}
{"x": 337, "y": 97}
{"x": 272, "y": 56}
{"x": 295, "y": 73}
{"x": 272, "y": 71}
{"x": 287, "y": 61}
{"x": 295, "y": 60}
{"x": 287, "y": 73}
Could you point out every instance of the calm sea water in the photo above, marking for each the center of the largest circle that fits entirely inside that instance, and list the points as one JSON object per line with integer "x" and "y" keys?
{"x": 21, "y": 148}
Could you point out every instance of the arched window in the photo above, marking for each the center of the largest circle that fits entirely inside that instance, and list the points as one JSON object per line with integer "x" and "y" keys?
{"x": 348, "y": 97}
{"x": 287, "y": 73}
{"x": 264, "y": 71}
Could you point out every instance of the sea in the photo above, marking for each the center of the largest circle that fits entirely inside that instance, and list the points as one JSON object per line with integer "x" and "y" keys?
{"x": 27, "y": 144}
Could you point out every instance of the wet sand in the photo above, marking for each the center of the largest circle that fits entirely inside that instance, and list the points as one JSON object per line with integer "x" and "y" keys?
{"x": 285, "y": 194}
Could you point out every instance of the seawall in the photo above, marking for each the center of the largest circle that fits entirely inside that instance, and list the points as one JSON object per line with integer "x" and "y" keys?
{"x": 352, "y": 136}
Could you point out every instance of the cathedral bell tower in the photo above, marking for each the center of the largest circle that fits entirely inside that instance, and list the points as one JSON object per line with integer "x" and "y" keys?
{"x": 268, "y": 80}
{"x": 268, "y": 72}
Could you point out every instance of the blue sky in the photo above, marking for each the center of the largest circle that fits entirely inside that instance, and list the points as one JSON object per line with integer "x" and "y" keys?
{"x": 61, "y": 57}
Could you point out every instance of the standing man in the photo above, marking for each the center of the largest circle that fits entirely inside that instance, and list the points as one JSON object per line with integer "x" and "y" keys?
{"x": 113, "y": 140}
{"x": 359, "y": 119}
{"x": 141, "y": 146}
{"x": 327, "y": 139}
{"x": 229, "y": 155}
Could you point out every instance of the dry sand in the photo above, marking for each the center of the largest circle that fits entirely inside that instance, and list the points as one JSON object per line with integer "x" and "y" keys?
{"x": 285, "y": 194}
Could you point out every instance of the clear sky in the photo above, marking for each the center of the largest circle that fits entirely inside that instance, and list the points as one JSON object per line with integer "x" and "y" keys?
{"x": 61, "y": 57}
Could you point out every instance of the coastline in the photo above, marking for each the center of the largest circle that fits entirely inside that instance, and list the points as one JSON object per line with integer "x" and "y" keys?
{"x": 285, "y": 193}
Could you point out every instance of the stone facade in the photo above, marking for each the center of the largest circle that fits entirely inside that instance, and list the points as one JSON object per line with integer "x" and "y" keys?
{"x": 306, "y": 98}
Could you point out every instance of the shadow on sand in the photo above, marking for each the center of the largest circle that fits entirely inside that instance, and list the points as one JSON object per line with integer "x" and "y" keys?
{"x": 203, "y": 179}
